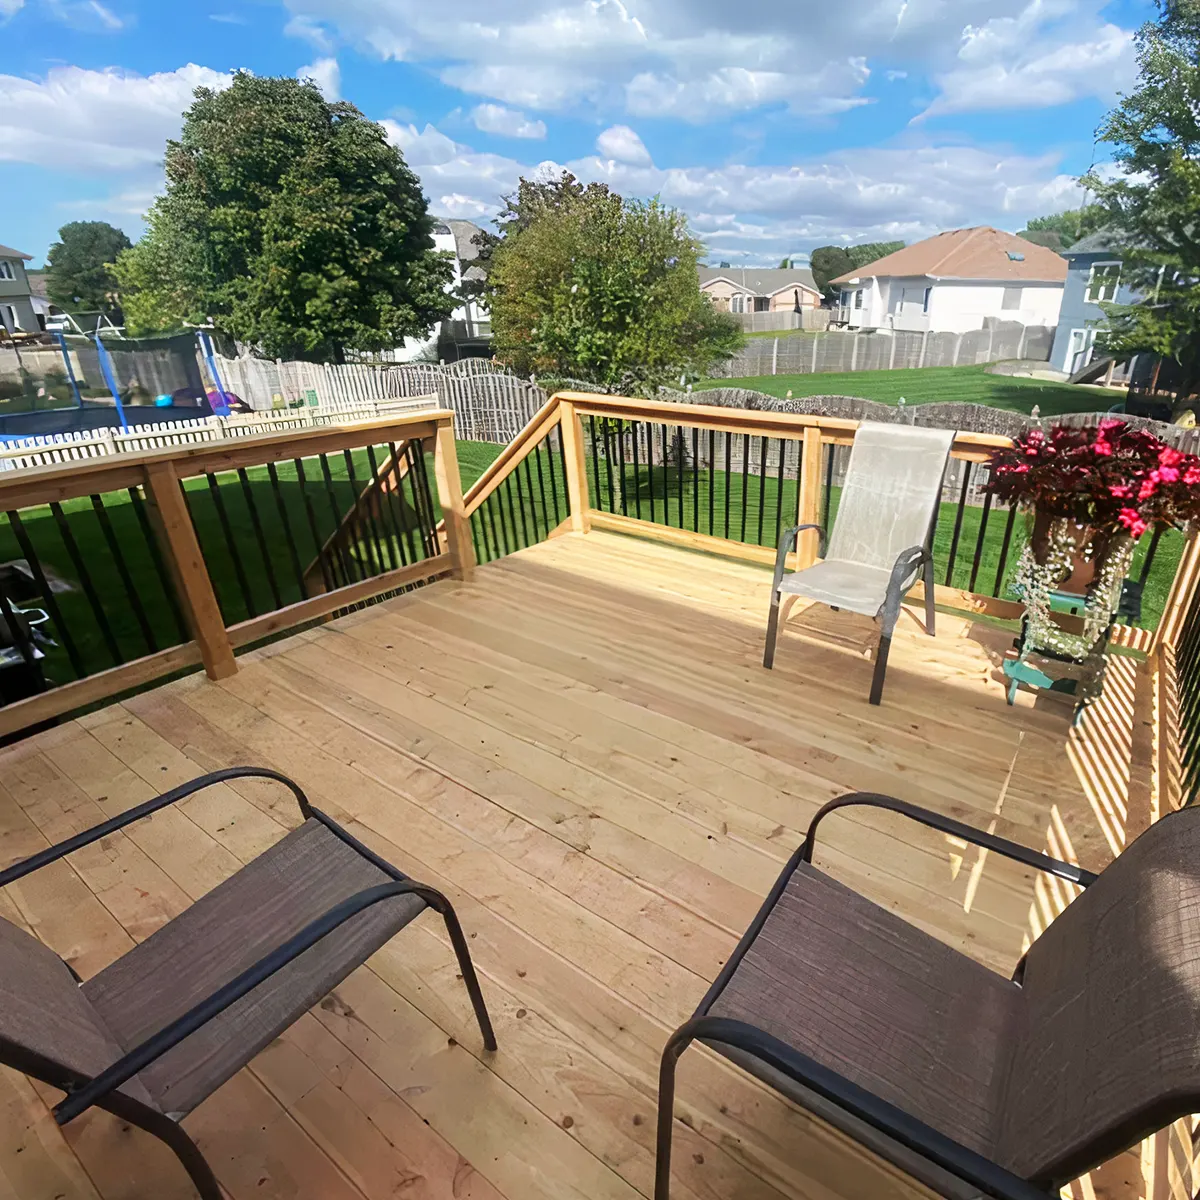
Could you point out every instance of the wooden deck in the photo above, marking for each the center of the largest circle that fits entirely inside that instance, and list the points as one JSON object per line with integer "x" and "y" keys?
{"x": 580, "y": 746}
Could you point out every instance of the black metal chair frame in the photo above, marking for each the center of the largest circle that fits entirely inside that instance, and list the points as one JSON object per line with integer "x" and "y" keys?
{"x": 904, "y": 574}
{"x": 944, "y": 1153}
{"x": 85, "y": 1092}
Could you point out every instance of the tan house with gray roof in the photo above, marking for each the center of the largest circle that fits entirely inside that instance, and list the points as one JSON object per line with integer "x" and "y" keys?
{"x": 756, "y": 289}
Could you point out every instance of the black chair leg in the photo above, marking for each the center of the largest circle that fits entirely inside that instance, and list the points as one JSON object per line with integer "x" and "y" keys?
{"x": 470, "y": 979}
{"x": 930, "y": 607}
{"x": 881, "y": 661}
{"x": 188, "y": 1153}
{"x": 680, "y": 1040}
{"x": 772, "y": 632}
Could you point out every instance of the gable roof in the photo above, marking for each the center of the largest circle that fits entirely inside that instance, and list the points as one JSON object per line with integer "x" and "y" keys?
{"x": 761, "y": 281}
{"x": 9, "y": 252}
{"x": 1101, "y": 242}
{"x": 977, "y": 253}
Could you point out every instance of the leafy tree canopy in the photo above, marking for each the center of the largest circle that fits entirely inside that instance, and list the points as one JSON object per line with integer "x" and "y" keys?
{"x": 585, "y": 284}
{"x": 828, "y": 262}
{"x": 1060, "y": 230}
{"x": 289, "y": 222}
{"x": 79, "y": 275}
{"x": 1153, "y": 204}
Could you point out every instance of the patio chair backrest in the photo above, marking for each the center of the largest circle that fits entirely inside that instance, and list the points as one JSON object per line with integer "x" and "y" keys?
{"x": 1109, "y": 1044}
{"x": 46, "y": 1022}
{"x": 890, "y": 493}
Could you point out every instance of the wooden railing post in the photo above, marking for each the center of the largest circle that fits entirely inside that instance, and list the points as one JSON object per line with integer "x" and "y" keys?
{"x": 577, "y": 482}
{"x": 185, "y": 561}
{"x": 450, "y": 495}
{"x": 809, "y": 508}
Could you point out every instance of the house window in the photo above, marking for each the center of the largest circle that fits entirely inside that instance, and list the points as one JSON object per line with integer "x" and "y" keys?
{"x": 738, "y": 303}
{"x": 6, "y": 269}
{"x": 1103, "y": 281}
{"x": 1012, "y": 299}
{"x": 8, "y": 317}
{"x": 845, "y": 299}
{"x": 928, "y": 297}
{"x": 858, "y": 298}
{"x": 762, "y": 303}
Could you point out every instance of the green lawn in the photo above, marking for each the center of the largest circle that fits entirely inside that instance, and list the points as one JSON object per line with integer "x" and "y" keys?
{"x": 969, "y": 385}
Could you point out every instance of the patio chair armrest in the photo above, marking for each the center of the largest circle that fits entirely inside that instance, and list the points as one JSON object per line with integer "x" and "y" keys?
{"x": 906, "y": 562}
{"x": 88, "y": 836}
{"x": 951, "y": 1156}
{"x": 968, "y": 833}
{"x": 154, "y": 1047}
{"x": 786, "y": 542}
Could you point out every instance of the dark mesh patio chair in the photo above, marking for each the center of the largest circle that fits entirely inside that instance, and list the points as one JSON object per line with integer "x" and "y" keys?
{"x": 974, "y": 1084}
{"x": 159, "y": 1030}
{"x": 881, "y": 541}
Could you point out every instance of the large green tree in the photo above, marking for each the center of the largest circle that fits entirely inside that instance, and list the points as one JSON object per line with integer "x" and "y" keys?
{"x": 595, "y": 287}
{"x": 289, "y": 222}
{"x": 1058, "y": 231}
{"x": 828, "y": 262}
{"x": 1154, "y": 203}
{"x": 79, "y": 274}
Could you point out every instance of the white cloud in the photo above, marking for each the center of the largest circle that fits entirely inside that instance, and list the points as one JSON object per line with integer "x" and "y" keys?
{"x": 96, "y": 120}
{"x": 229, "y": 18}
{"x": 621, "y": 144}
{"x": 326, "y": 74}
{"x": 703, "y": 59}
{"x": 508, "y": 122}
{"x": 9, "y": 7}
{"x": 311, "y": 31}
{"x": 88, "y": 16}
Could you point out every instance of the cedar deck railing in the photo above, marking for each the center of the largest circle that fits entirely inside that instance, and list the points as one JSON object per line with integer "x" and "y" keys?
{"x": 180, "y": 557}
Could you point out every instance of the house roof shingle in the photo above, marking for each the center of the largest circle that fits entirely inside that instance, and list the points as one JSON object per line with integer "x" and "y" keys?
{"x": 9, "y": 252}
{"x": 761, "y": 281}
{"x": 977, "y": 253}
{"x": 1100, "y": 242}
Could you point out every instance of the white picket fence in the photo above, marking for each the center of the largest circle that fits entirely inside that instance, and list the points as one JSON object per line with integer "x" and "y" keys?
{"x": 67, "y": 447}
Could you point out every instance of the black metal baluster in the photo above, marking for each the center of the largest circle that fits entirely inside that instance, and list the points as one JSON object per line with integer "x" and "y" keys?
{"x": 239, "y": 570}
{"x": 728, "y": 473}
{"x": 131, "y": 592}
{"x": 49, "y": 603}
{"x": 779, "y": 498}
{"x": 288, "y": 536}
{"x": 489, "y": 506}
{"x": 712, "y": 477}
{"x": 1151, "y": 550}
{"x": 695, "y": 479}
{"x": 983, "y": 524}
{"x": 510, "y": 532}
{"x": 608, "y": 459}
{"x": 366, "y": 529}
{"x": 958, "y": 520}
{"x": 681, "y": 466}
{"x": 529, "y": 502}
{"x": 827, "y": 499}
{"x": 165, "y": 581}
{"x": 1005, "y": 543}
{"x": 422, "y": 496}
{"x": 351, "y": 568}
{"x": 387, "y": 514}
{"x": 537, "y": 458}
{"x": 650, "y": 464}
{"x": 666, "y": 477}
{"x": 516, "y": 512}
{"x": 260, "y": 537}
{"x": 327, "y": 572}
{"x": 396, "y": 458}
{"x": 637, "y": 469}
{"x": 85, "y": 582}
{"x": 595, "y": 460}
{"x": 762, "y": 485}
{"x": 624, "y": 473}
{"x": 18, "y": 631}
{"x": 745, "y": 479}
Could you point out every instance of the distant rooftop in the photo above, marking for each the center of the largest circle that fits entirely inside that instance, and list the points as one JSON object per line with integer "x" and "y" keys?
{"x": 1100, "y": 242}
{"x": 9, "y": 252}
{"x": 977, "y": 253}
{"x": 761, "y": 281}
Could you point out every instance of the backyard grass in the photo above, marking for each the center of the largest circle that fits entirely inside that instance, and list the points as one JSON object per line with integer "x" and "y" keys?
{"x": 967, "y": 385}
{"x": 750, "y": 510}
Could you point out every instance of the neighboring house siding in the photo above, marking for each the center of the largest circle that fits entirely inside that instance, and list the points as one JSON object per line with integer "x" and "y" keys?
{"x": 15, "y": 296}
{"x": 1080, "y": 315}
{"x": 723, "y": 291}
{"x": 916, "y": 304}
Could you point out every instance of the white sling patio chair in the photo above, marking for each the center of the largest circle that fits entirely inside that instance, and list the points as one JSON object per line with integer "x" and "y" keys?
{"x": 881, "y": 540}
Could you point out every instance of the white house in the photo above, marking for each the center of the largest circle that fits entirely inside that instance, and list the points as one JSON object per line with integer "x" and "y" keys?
{"x": 954, "y": 282}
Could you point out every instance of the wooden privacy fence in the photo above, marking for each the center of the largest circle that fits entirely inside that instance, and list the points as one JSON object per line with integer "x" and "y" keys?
{"x": 145, "y": 564}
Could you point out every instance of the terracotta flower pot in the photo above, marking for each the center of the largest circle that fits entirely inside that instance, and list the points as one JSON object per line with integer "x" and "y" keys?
{"x": 1091, "y": 547}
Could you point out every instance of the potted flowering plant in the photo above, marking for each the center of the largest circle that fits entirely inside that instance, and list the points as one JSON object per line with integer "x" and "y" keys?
{"x": 1093, "y": 493}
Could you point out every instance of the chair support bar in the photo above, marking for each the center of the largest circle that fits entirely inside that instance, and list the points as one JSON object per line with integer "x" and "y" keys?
{"x": 977, "y": 837}
{"x": 945, "y": 1153}
{"x": 88, "y": 836}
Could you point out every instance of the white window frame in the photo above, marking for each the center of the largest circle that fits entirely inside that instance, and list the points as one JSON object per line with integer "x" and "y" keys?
{"x": 1018, "y": 291}
{"x": 10, "y": 322}
{"x": 858, "y": 298}
{"x": 737, "y": 303}
{"x": 7, "y": 271}
{"x": 1094, "y": 295}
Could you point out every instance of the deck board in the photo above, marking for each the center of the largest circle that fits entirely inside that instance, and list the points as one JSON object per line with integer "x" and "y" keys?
{"x": 581, "y": 748}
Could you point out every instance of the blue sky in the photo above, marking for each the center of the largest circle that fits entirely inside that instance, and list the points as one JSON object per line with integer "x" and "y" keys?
{"x": 777, "y": 125}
